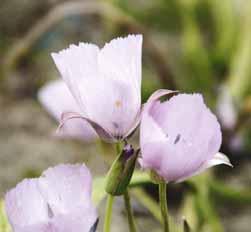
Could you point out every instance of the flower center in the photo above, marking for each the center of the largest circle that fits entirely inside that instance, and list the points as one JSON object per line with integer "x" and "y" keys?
{"x": 118, "y": 103}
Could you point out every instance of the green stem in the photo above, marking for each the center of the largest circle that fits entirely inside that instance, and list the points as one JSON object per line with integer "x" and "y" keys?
{"x": 132, "y": 225}
{"x": 163, "y": 205}
{"x": 148, "y": 202}
{"x": 108, "y": 213}
{"x": 131, "y": 221}
{"x": 119, "y": 147}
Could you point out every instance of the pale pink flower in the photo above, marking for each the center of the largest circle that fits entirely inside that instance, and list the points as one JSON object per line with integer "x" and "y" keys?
{"x": 57, "y": 99}
{"x": 179, "y": 137}
{"x": 106, "y": 84}
{"x": 58, "y": 201}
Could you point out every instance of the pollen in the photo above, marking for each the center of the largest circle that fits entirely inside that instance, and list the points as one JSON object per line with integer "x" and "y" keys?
{"x": 118, "y": 103}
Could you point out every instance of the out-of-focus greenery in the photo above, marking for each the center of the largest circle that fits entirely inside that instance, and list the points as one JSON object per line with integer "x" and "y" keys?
{"x": 208, "y": 42}
{"x": 192, "y": 45}
{"x": 205, "y": 47}
{"x": 4, "y": 226}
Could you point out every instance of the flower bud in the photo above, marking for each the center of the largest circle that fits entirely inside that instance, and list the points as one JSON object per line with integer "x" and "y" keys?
{"x": 121, "y": 171}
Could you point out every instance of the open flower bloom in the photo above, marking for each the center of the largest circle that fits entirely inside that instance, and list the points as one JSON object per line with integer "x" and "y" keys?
{"x": 106, "y": 84}
{"x": 179, "y": 137}
{"x": 58, "y": 201}
{"x": 57, "y": 99}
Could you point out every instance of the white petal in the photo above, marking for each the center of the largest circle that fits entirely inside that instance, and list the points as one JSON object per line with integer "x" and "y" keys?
{"x": 188, "y": 135}
{"x": 39, "y": 227}
{"x": 120, "y": 59}
{"x": 219, "y": 158}
{"x": 114, "y": 107}
{"x": 114, "y": 102}
{"x": 78, "y": 221}
{"x": 78, "y": 66}
{"x": 106, "y": 83}
{"x": 56, "y": 98}
{"x": 25, "y": 205}
{"x": 135, "y": 125}
{"x": 193, "y": 131}
{"x": 150, "y": 131}
{"x": 66, "y": 188}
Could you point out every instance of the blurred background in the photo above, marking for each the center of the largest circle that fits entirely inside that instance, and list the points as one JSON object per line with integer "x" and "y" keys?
{"x": 190, "y": 45}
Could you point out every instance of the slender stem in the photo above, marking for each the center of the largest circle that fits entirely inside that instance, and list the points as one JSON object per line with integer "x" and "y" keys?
{"x": 119, "y": 147}
{"x": 163, "y": 205}
{"x": 132, "y": 225}
{"x": 108, "y": 213}
{"x": 110, "y": 199}
{"x": 128, "y": 207}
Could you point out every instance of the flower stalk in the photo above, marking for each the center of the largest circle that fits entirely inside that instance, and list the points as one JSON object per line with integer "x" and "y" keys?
{"x": 129, "y": 211}
{"x": 163, "y": 205}
{"x": 108, "y": 213}
{"x": 118, "y": 179}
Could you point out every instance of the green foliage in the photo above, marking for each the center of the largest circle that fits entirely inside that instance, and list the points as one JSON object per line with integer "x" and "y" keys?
{"x": 227, "y": 194}
{"x": 99, "y": 184}
{"x": 4, "y": 225}
{"x": 163, "y": 15}
{"x": 240, "y": 70}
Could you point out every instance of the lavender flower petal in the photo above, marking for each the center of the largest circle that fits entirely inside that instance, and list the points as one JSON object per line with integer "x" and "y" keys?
{"x": 58, "y": 201}
{"x": 56, "y": 98}
{"x": 218, "y": 159}
{"x": 25, "y": 206}
{"x": 178, "y": 136}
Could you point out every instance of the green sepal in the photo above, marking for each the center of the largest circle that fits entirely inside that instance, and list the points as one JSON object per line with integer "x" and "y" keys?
{"x": 121, "y": 171}
{"x": 155, "y": 178}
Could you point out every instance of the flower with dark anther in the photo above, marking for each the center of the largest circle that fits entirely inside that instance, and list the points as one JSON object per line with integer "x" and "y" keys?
{"x": 57, "y": 99}
{"x": 58, "y": 201}
{"x": 106, "y": 85}
{"x": 179, "y": 137}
